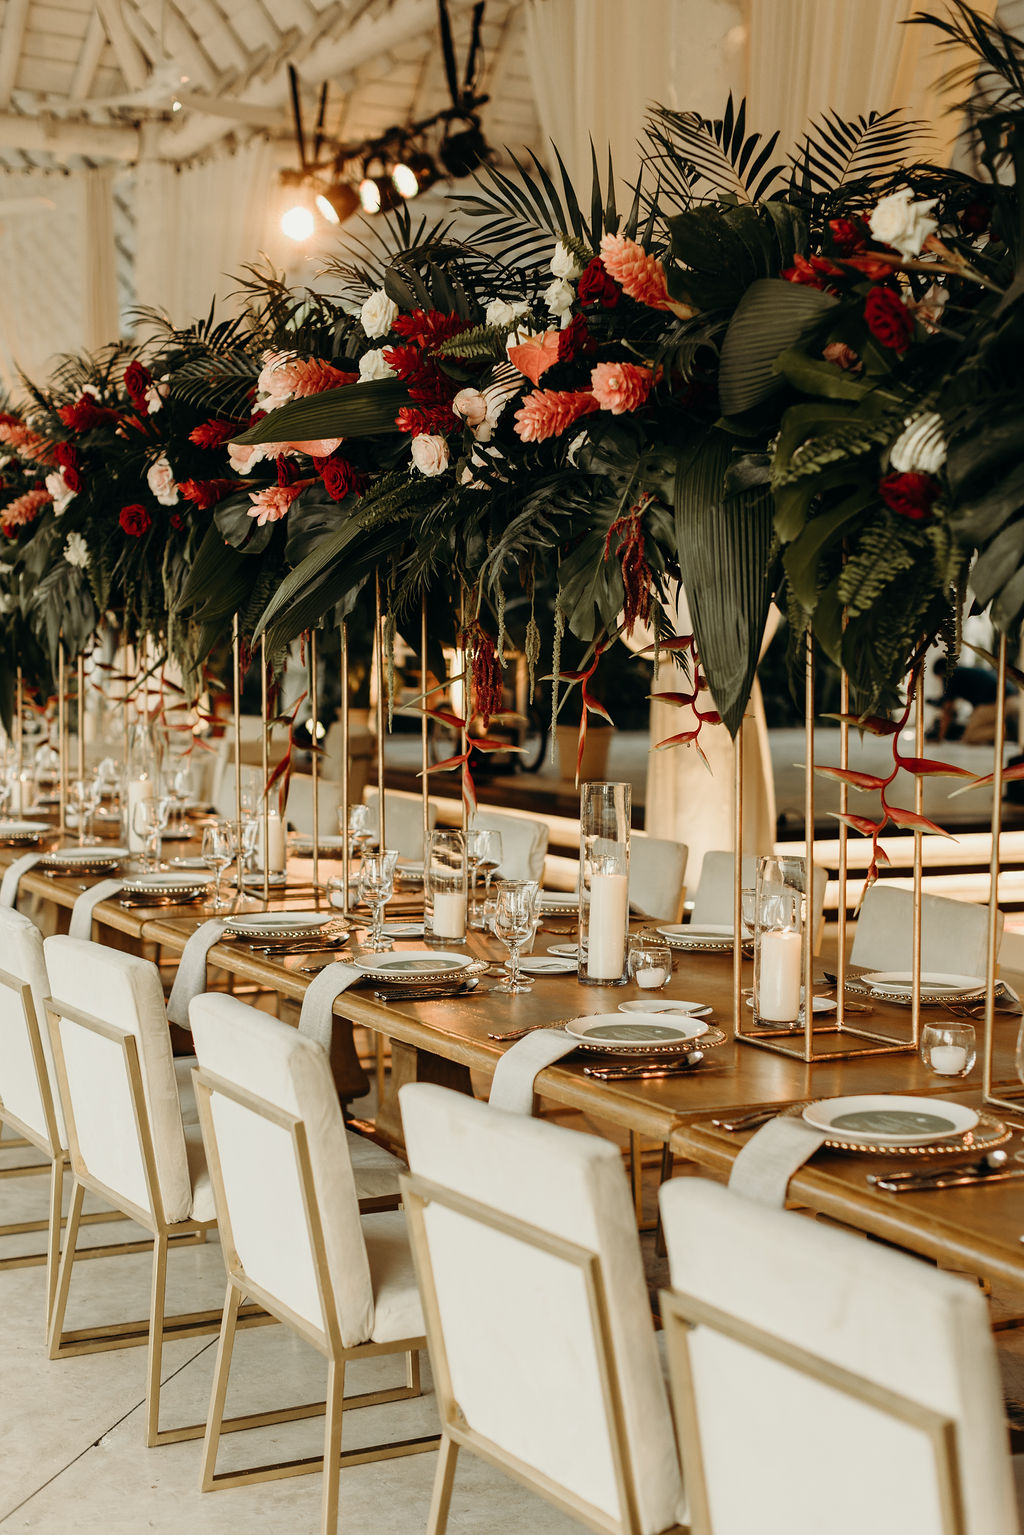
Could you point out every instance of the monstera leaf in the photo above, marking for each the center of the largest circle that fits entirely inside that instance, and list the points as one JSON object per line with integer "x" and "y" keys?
{"x": 724, "y": 543}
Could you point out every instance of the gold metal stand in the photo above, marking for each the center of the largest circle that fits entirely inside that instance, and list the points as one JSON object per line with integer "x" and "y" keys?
{"x": 345, "y": 808}
{"x": 80, "y": 683}
{"x": 1000, "y": 1095}
{"x": 379, "y": 646}
{"x": 237, "y": 692}
{"x": 265, "y": 769}
{"x": 424, "y": 726}
{"x": 314, "y": 706}
{"x": 61, "y": 742}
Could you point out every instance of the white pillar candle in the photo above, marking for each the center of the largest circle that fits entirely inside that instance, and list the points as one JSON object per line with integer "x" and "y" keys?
{"x": 778, "y": 994}
{"x": 948, "y": 1060}
{"x": 606, "y": 933}
{"x": 449, "y": 919}
{"x": 651, "y": 978}
{"x": 136, "y": 791}
{"x": 275, "y": 837}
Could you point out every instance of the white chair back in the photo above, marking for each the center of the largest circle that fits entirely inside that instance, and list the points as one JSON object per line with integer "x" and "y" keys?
{"x": 829, "y": 1379}
{"x": 256, "y": 1174}
{"x": 657, "y": 872}
{"x": 403, "y": 820}
{"x": 518, "y": 1341}
{"x": 21, "y": 957}
{"x": 299, "y": 809}
{"x": 713, "y": 897}
{"x": 124, "y": 993}
{"x": 954, "y": 934}
{"x": 524, "y": 843}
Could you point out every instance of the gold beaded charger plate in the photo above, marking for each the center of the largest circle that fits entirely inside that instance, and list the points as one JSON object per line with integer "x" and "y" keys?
{"x": 22, "y": 831}
{"x": 414, "y": 966}
{"x": 83, "y": 860}
{"x": 684, "y": 1037}
{"x": 558, "y": 903}
{"x": 892, "y": 1124}
{"x": 710, "y": 936}
{"x": 277, "y": 924}
{"x": 165, "y": 889}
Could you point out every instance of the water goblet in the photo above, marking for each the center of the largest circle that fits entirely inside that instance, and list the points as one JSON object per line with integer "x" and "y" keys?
{"x": 218, "y": 851}
{"x": 362, "y": 827}
{"x": 514, "y": 917}
{"x": 483, "y": 852}
{"x": 376, "y": 887}
{"x": 81, "y": 802}
{"x": 149, "y": 820}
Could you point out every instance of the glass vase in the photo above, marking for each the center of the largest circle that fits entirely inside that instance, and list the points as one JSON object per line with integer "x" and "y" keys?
{"x": 604, "y": 883}
{"x": 780, "y": 932}
{"x": 445, "y": 888}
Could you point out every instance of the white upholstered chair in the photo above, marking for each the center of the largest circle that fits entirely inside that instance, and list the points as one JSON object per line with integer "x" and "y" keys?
{"x": 713, "y": 899}
{"x": 825, "y": 1383}
{"x": 403, "y": 820}
{"x": 128, "y": 1140}
{"x": 291, "y": 1230}
{"x": 541, "y": 1341}
{"x": 657, "y": 874}
{"x": 954, "y": 934}
{"x": 524, "y": 843}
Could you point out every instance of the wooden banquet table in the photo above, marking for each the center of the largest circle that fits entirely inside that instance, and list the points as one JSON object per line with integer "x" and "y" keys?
{"x": 444, "y": 1039}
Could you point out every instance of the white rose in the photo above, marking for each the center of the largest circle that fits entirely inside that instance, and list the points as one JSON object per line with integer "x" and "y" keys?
{"x": 430, "y": 454}
{"x": 76, "y": 550}
{"x": 58, "y": 488}
{"x": 91, "y": 389}
{"x": 160, "y": 479}
{"x": 921, "y": 446}
{"x": 902, "y": 223}
{"x": 559, "y": 297}
{"x": 156, "y": 394}
{"x": 378, "y": 314}
{"x": 244, "y": 456}
{"x": 501, "y": 312}
{"x": 373, "y": 365}
{"x": 471, "y": 406}
{"x": 564, "y": 263}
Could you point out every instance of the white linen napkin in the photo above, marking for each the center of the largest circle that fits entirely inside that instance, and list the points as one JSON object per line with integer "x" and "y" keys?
{"x": 190, "y": 977}
{"x": 512, "y": 1087}
{"x": 770, "y": 1158}
{"x": 80, "y": 925}
{"x": 12, "y": 877}
{"x": 316, "y": 1016}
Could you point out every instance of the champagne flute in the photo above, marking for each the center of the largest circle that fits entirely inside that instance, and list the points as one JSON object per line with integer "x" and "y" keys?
{"x": 488, "y": 858}
{"x": 81, "y": 803}
{"x": 376, "y": 887}
{"x": 514, "y": 915}
{"x": 150, "y": 819}
{"x": 218, "y": 852}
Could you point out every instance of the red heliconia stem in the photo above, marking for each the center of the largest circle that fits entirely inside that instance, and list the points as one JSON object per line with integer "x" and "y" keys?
{"x": 631, "y": 553}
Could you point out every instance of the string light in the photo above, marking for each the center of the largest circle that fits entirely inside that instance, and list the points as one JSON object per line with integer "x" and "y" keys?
{"x": 297, "y": 222}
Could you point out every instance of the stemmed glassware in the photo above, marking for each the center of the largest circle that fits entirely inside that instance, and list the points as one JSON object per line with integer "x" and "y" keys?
{"x": 483, "y": 851}
{"x": 85, "y": 796}
{"x": 514, "y": 915}
{"x": 362, "y": 827}
{"x": 150, "y": 820}
{"x": 376, "y": 887}
{"x": 218, "y": 851}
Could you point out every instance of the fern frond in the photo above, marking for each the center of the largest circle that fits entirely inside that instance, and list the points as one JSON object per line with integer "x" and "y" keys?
{"x": 687, "y": 149}
{"x": 866, "y": 151}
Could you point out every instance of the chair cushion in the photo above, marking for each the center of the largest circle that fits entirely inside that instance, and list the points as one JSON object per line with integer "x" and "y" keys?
{"x": 524, "y": 843}
{"x": 396, "y": 1298}
{"x": 954, "y": 934}
{"x": 375, "y": 1170}
{"x": 186, "y": 1091}
{"x": 403, "y": 820}
{"x": 657, "y": 869}
{"x": 203, "y": 1208}
{"x": 21, "y": 955}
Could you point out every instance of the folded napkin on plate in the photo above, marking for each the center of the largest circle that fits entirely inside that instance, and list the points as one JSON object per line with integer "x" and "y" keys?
{"x": 12, "y": 877}
{"x": 770, "y": 1158}
{"x": 512, "y": 1087}
{"x": 316, "y": 1016}
{"x": 80, "y": 925}
{"x": 190, "y": 978}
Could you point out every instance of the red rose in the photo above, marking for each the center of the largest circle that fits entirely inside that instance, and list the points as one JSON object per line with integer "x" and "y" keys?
{"x": 596, "y": 287}
{"x": 339, "y": 477}
{"x": 848, "y": 236}
{"x": 910, "y": 495}
{"x": 66, "y": 455}
{"x": 72, "y": 478}
{"x": 135, "y": 520}
{"x": 887, "y": 319}
{"x": 177, "y": 521}
{"x": 287, "y": 471}
{"x": 85, "y": 414}
{"x": 137, "y": 380}
{"x": 976, "y": 217}
{"x": 575, "y": 339}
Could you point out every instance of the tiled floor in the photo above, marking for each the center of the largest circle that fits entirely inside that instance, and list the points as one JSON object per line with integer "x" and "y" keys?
{"x": 72, "y": 1456}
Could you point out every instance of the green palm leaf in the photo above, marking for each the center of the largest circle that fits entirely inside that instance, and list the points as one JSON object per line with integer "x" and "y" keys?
{"x": 355, "y": 410}
{"x": 687, "y": 150}
{"x": 834, "y": 153}
{"x": 771, "y": 317}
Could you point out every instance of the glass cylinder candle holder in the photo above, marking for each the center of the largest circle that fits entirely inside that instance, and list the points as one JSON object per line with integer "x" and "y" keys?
{"x": 948, "y": 1048}
{"x": 445, "y": 887}
{"x": 780, "y": 932}
{"x": 604, "y": 883}
{"x": 650, "y": 961}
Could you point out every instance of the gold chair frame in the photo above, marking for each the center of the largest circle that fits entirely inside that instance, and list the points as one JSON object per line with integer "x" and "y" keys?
{"x": 458, "y": 1434}
{"x": 158, "y": 1326}
{"x": 682, "y": 1313}
{"x": 326, "y": 1340}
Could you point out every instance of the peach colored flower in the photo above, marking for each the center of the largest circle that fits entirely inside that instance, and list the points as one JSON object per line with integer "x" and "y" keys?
{"x": 315, "y": 447}
{"x": 843, "y": 356}
{"x": 471, "y": 406}
{"x": 286, "y": 377}
{"x": 16, "y": 435}
{"x": 534, "y": 357}
{"x": 548, "y": 412}
{"x": 161, "y": 481}
{"x": 243, "y": 456}
{"x": 272, "y": 504}
{"x": 620, "y": 386}
{"x": 640, "y": 276}
{"x": 23, "y": 509}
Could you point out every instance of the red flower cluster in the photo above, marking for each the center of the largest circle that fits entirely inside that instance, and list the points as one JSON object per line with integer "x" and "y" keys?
{"x": 214, "y": 434}
{"x": 206, "y": 493}
{"x": 427, "y": 328}
{"x": 485, "y": 673}
{"x": 975, "y": 218}
{"x": 575, "y": 340}
{"x": 84, "y": 415}
{"x": 888, "y": 319}
{"x": 135, "y": 520}
{"x": 177, "y": 521}
{"x": 137, "y": 380}
{"x": 66, "y": 455}
{"x": 910, "y": 495}
{"x": 848, "y": 236}
{"x": 597, "y": 287}
{"x": 428, "y": 384}
{"x": 434, "y": 419}
{"x": 811, "y": 273}
{"x": 339, "y": 476}
{"x": 637, "y": 579}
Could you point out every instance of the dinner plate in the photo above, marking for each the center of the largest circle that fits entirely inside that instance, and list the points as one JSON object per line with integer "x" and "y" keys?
{"x": 933, "y": 983}
{"x": 326, "y": 843}
{"x": 711, "y": 935}
{"x": 277, "y": 924}
{"x": 18, "y": 830}
{"x": 413, "y": 965}
{"x": 564, "y": 950}
{"x": 559, "y": 903}
{"x": 190, "y": 863}
{"x": 667, "y": 1005}
{"x": 166, "y": 884}
{"x": 83, "y": 857}
{"x": 637, "y": 1032}
{"x": 255, "y": 881}
{"x": 890, "y": 1119}
{"x": 818, "y": 1005}
{"x": 547, "y": 964}
{"x": 403, "y": 929}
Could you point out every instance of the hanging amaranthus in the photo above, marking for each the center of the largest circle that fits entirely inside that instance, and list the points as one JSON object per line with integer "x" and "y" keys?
{"x": 631, "y": 553}
{"x": 483, "y": 666}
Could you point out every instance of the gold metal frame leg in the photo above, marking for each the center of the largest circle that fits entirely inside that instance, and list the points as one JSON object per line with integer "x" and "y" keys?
{"x": 444, "y": 1479}
{"x": 155, "y": 1345}
{"x": 53, "y": 1235}
{"x": 218, "y": 1395}
{"x": 332, "y": 1443}
{"x": 64, "y": 1275}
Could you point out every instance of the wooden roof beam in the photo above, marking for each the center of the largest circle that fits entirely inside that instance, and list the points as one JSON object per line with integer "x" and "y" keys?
{"x": 88, "y": 60}
{"x": 130, "y": 59}
{"x": 15, "y": 16}
{"x": 48, "y": 134}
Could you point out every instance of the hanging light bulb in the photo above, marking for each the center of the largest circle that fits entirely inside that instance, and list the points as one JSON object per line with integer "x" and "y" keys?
{"x": 337, "y": 202}
{"x": 415, "y": 171}
{"x": 297, "y": 222}
{"x": 377, "y": 192}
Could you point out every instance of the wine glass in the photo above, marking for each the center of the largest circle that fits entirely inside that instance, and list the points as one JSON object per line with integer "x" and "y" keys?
{"x": 218, "y": 851}
{"x": 376, "y": 887}
{"x": 84, "y": 799}
{"x": 362, "y": 827}
{"x": 149, "y": 820}
{"x": 514, "y": 914}
{"x": 483, "y": 851}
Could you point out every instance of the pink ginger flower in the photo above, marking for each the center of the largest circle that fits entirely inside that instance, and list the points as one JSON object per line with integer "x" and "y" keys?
{"x": 549, "y": 412}
{"x": 24, "y": 509}
{"x": 272, "y": 504}
{"x": 287, "y": 377}
{"x": 620, "y": 386}
{"x": 16, "y": 435}
{"x": 639, "y": 275}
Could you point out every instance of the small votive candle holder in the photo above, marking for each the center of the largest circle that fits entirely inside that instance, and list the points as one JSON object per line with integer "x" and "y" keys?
{"x": 650, "y": 962}
{"x": 948, "y": 1049}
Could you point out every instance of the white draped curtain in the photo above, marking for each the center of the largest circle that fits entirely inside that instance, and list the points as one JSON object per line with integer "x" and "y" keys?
{"x": 196, "y": 227}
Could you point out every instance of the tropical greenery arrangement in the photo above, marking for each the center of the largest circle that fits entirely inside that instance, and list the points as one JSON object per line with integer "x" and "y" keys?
{"x": 769, "y": 378}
